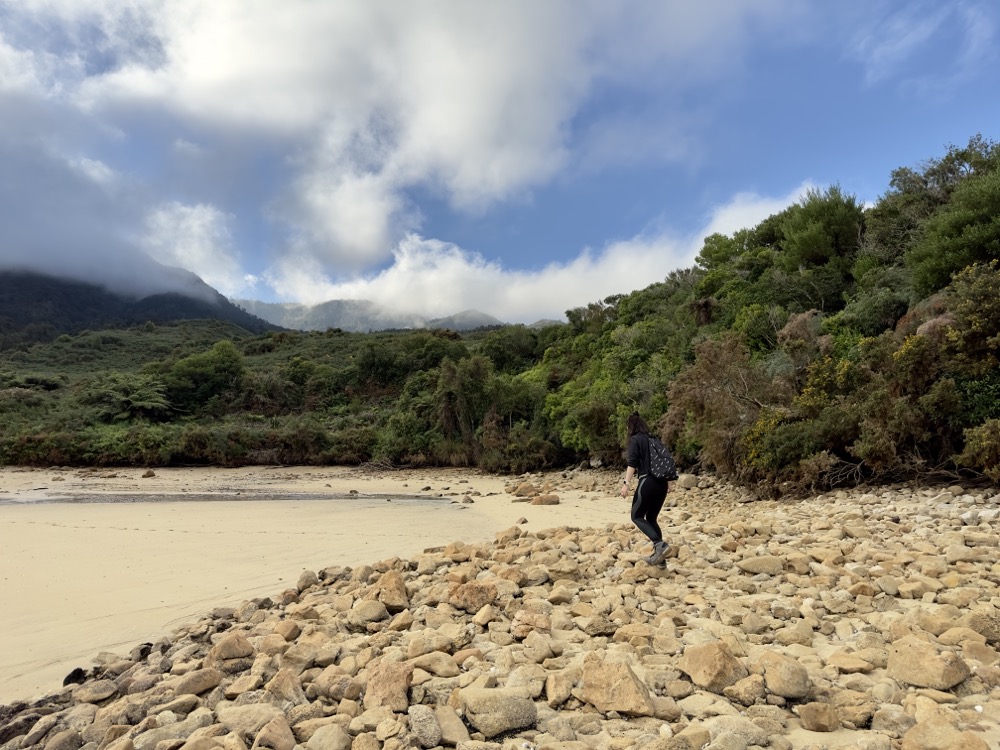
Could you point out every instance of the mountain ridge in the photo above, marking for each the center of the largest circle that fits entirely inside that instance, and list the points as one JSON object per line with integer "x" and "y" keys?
{"x": 357, "y": 316}
{"x": 37, "y": 306}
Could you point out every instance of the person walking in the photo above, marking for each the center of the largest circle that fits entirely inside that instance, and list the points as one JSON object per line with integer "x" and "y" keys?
{"x": 650, "y": 492}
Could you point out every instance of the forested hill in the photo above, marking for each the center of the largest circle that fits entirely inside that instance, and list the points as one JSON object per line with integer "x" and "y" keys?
{"x": 37, "y": 307}
{"x": 831, "y": 344}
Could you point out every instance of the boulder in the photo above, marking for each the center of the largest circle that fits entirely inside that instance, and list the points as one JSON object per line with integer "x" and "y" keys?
{"x": 609, "y": 686}
{"x": 940, "y": 733}
{"x": 712, "y": 666}
{"x": 197, "y": 682}
{"x": 453, "y": 729}
{"x": 391, "y": 591}
{"x": 366, "y": 611}
{"x": 914, "y": 661}
{"x": 819, "y": 717}
{"x": 424, "y": 725}
{"x": 389, "y": 686}
{"x": 784, "y": 676}
{"x": 771, "y": 565}
{"x": 494, "y": 711}
{"x": 177, "y": 730}
{"x": 249, "y": 719}
{"x": 550, "y": 499}
{"x": 329, "y": 737}
{"x": 95, "y": 692}
{"x": 985, "y": 620}
{"x": 275, "y": 735}
{"x": 472, "y": 596}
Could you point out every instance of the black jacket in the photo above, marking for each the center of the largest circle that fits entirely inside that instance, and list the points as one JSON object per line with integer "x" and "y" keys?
{"x": 638, "y": 454}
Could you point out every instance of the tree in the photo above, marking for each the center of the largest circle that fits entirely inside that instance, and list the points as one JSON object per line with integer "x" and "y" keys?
{"x": 965, "y": 231}
{"x": 820, "y": 237}
{"x": 973, "y": 298}
{"x": 592, "y": 318}
{"x": 715, "y": 400}
{"x": 897, "y": 223}
{"x": 194, "y": 381}
{"x": 879, "y": 301}
{"x": 759, "y": 326}
{"x": 462, "y": 399}
{"x": 511, "y": 348}
{"x": 823, "y": 228}
{"x": 717, "y": 251}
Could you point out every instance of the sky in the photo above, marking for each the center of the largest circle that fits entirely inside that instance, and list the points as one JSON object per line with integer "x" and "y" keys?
{"x": 521, "y": 158}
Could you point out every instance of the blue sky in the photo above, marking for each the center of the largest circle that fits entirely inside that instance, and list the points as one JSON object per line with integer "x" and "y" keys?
{"x": 520, "y": 158}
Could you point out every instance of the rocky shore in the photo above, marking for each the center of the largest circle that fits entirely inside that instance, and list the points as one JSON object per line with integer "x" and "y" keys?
{"x": 865, "y": 619}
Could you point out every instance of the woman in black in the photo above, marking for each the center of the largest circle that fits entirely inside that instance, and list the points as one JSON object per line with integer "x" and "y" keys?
{"x": 650, "y": 492}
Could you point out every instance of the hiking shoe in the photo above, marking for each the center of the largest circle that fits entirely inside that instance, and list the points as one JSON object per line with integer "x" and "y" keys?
{"x": 660, "y": 550}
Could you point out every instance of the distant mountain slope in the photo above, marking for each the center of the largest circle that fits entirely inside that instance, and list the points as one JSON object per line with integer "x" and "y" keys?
{"x": 348, "y": 315}
{"x": 545, "y": 323}
{"x": 358, "y": 316}
{"x": 465, "y": 321}
{"x": 36, "y": 307}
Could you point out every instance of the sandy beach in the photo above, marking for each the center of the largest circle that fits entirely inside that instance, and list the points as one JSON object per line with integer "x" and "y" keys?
{"x": 96, "y": 561}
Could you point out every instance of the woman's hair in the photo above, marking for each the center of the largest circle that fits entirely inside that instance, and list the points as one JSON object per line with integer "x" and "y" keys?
{"x": 635, "y": 426}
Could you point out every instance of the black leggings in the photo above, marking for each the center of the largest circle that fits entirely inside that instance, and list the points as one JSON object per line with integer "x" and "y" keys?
{"x": 646, "y": 505}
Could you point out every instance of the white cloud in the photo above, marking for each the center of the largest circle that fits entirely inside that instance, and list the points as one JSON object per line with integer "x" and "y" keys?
{"x": 345, "y": 218}
{"x": 433, "y": 278}
{"x": 18, "y": 69}
{"x": 186, "y": 149}
{"x": 198, "y": 239}
{"x": 367, "y": 102}
{"x": 889, "y": 46}
{"x": 928, "y": 47}
{"x": 978, "y": 48}
{"x": 94, "y": 169}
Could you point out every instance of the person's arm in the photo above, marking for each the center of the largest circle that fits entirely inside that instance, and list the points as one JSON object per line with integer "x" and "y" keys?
{"x": 629, "y": 474}
{"x": 633, "y": 464}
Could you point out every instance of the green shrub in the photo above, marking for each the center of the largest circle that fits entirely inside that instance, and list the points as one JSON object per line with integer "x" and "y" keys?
{"x": 982, "y": 449}
{"x": 195, "y": 382}
{"x": 517, "y": 451}
{"x": 404, "y": 439}
{"x": 302, "y": 440}
{"x": 352, "y": 444}
{"x": 44, "y": 449}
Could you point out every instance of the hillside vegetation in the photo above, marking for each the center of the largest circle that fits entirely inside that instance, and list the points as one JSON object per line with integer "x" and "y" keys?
{"x": 831, "y": 343}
